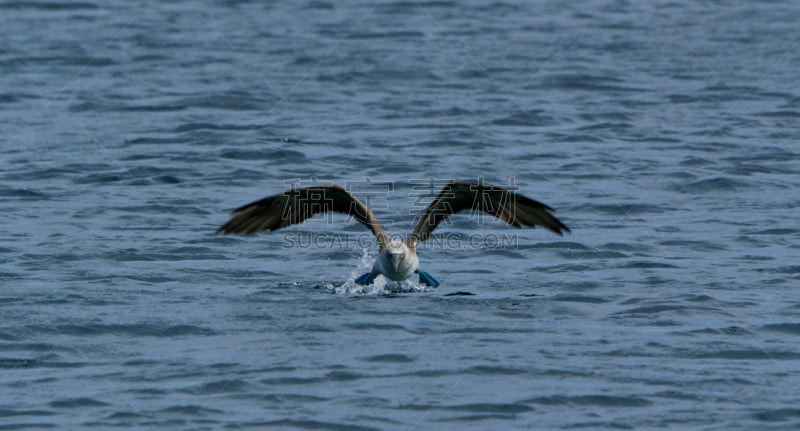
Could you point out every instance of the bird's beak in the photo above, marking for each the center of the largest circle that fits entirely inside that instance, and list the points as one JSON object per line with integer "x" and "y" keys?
{"x": 396, "y": 261}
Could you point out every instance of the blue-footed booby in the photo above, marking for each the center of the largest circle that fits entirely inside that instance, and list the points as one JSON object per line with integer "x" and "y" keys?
{"x": 397, "y": 260}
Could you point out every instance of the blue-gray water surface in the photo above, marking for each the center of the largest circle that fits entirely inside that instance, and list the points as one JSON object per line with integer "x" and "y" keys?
{"x": 664, "y": 133}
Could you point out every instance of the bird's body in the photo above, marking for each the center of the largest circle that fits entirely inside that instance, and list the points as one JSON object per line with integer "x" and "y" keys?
{"x": 397, "y": 260}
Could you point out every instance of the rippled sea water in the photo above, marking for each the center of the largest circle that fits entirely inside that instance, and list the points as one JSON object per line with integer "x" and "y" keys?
{"x": 665, "y": 133}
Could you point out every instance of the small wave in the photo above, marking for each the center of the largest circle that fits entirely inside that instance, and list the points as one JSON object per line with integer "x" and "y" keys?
{"x": 405, "y": 35}
{"x": 191, "y": 127}
{"x": 641, "y": 264}
{"x": 10, "y": 97}
{"x": 777, "y": 415}
{"x": 191, "y": 410}
{"x": 141, "y": 329}
{"x": 577, "y": 137}
{"x": 777, "y": 231}
{"x": 291, "y": 398}
{"x": 65, "y": 60}
{"x": 789, "y": 328}
{"x": 460, "y": 293}
{"x": 490, "y": 330}
{"x": 13, "y": 363}
{"x": 695, "y": 161}
{"x": 73, "y": 403}
{"x": 534, "y": 118}
{"x": 236, "y": 101}
{"x": 677, "y": 395}
{"x": 585, "y": 82}
{"x": 750, "y": 354}
{"x": 310, "y": 424}
{"x": 591, "y": 400}
{"x": 763, "y": 154}
{"x": 343, "y": 376}
{"x": 22, "y": 194}
{"x": 568, "y": 245}
{"x": 284, "y": 381}
{"x": 390, "y": 358}
{"x": 620, "y": 127}
{"x": 780, "y": 114}
{"x": 626, "y": 209}
{"x": 126, "y": 416}
{"x": 729, "y": 330}
{"x": 453, "y": 111}
{"x": 693, "y": 245}
{"x": 484, "y": 370}
{"x": 138, "y": 176}
{"x": 128, "y": 108}
{"x": 712, "y": 185}
{"x": 381, "y": 327}
{"x": 49, "y": 5}
{"x": 565, "y": 268}
{"x": 480, "y": 417}
{"x": 155, "y": 141}
{"x": 653, "y": 309}
{"x": 507, "y": 408}
{"x": 698, "y": 298}
{"x": 272, "y": 155}
{"x": 220, "y": 386}
{"x": 619, "y": 246}
{"x": 570, "y": 254}
{"x": 580, "y": 298}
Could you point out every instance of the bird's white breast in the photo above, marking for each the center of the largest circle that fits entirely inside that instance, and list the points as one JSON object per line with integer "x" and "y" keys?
{"x": 405, "y": 270}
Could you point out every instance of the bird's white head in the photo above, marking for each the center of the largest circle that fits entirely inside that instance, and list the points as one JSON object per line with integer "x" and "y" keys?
{"x": 396, "y": 252}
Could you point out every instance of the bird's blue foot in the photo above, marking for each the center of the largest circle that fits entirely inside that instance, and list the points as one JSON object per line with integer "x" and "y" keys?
{"x": 366, "y": 278}
{"x": 427, "y": 279}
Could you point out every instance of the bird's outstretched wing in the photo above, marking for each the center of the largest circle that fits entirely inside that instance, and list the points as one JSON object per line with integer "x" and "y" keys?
{"x": 515, "y": 209}
{"x": 297, "y": 205}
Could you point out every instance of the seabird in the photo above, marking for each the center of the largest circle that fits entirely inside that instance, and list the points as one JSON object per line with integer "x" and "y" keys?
{"x": 397, "y": 260}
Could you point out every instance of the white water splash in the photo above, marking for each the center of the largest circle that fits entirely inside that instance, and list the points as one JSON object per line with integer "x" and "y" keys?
{"x": 381, "y": 286}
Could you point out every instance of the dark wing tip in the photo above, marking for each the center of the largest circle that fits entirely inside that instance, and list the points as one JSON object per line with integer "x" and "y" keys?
{"x": 561, "y": 229}
{"x": 244, "y": 220}
{"x": 530, "y": 212}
